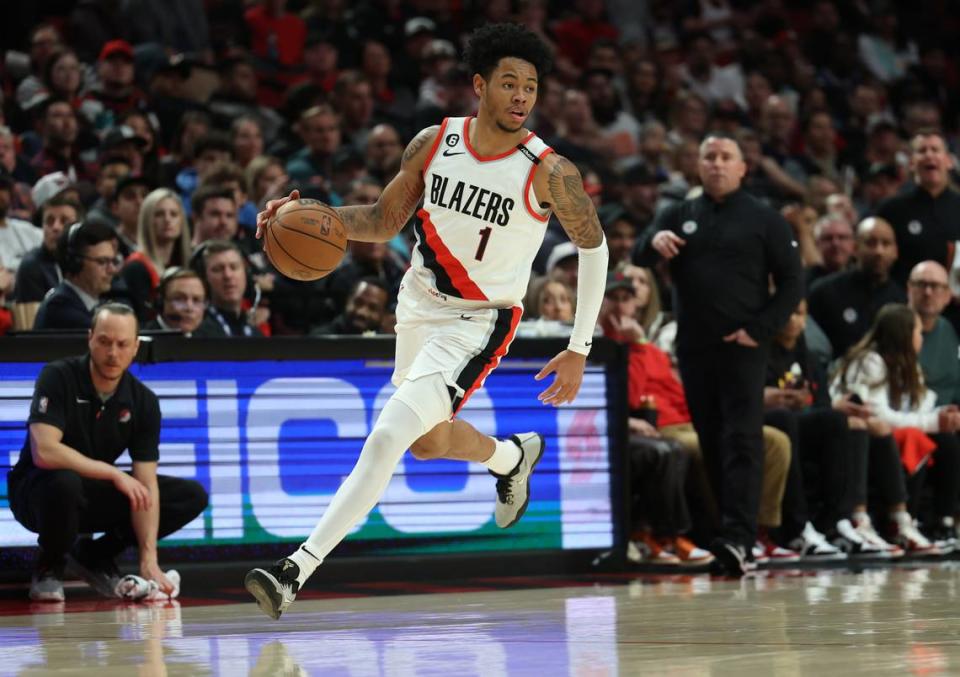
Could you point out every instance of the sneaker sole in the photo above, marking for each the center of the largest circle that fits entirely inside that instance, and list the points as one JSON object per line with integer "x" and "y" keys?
{"x": 727, "y": 558}
{"x": 526, "y": 501}
{"x": 47, "y": 597}
{"x": 258, "y": 583}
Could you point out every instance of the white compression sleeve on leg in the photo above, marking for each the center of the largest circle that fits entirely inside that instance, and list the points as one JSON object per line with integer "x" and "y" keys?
{"x": 591, "y": 282}
{"x": 397, "y": 427}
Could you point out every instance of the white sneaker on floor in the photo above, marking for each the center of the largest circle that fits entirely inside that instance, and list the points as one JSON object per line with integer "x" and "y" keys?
{"x": 864, "y": 526}
{"x": 513, "y": 490}
{"x": 910, "y": 538}
{"x": 813, "y": 545}
{"x": 850, "y": 541}
{"x": 46, "y": 585}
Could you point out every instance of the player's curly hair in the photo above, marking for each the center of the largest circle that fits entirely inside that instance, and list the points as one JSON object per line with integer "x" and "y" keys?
{"x": 492, "y": 42}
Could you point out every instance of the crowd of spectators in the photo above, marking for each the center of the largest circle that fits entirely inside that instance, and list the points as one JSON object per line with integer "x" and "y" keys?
{"x": 139, "y": 138}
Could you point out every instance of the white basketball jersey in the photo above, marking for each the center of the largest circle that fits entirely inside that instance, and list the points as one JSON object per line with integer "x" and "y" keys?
{"x": 480, "y": 226}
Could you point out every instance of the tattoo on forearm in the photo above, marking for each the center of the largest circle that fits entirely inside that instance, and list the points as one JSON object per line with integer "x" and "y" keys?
{"x": 576, "y": 211}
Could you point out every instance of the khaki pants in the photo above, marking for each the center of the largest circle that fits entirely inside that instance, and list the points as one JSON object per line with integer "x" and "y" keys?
{"x": 776, "y": 463}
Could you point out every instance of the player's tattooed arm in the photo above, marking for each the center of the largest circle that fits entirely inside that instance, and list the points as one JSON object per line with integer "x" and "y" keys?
{"x": 381, "y": 221}
{"x": 559, "y": 184}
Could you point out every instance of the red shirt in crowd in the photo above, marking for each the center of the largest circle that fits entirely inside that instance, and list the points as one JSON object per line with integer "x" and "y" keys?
{"x": 278, "y": 38}
{"x": 650, "y": 373}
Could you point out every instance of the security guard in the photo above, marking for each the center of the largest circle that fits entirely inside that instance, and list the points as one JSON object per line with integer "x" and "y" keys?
{"x": 85, "y": 412}
{"x": 925, "y": 216}
{"x": 723, "y": 248}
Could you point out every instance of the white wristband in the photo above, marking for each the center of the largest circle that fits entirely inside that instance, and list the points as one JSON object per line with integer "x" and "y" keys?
{"x": 591, "y": 283}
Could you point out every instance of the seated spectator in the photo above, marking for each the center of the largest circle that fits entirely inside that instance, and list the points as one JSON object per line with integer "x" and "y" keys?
{"x": 319, "y": 130}
{"x": 621, "y": 233}
{"x": 236, "y": 99}
{"x": 17, "y": 237}
{"x": 225, "y": 272}
{"x": 59, "y": 129}
{"x": 657, "y": 326}
{"x": 833, "y": 235}
{"x": 364, "y": 260}
{"x": 562, "y": 264}
{"x": 165, "y": 241}
{"x": 266, "y": 179}
{"x": 883, "y": 371}
{"x": 125, "y": 207}
{"x": 549, "y": 309}
{"x": 38, "y": 272}
{"x": 364, "y": 313}
{"x": 879, "y": 183}
{"x": 209, "y": 150}
{"x": 45, "y": 39}
{"x": 247, "y": 134}
{"x": 123, "y": 142}
{"x": 230, "y": 176}
{"x": 829, "y": 451}
{"x": 16, "y": 167}
{"x": 845, "y": 303}
{"x": 383, "y": 153}
{"x": 182, "y": 303}
{"x": 926, "y": 216}
{"x": 113, "y": 169}
{"x": 116, "y": 89}
{"x": 87, "y": 253}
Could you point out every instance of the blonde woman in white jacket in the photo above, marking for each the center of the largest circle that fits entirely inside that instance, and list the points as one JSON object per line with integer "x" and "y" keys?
{"x": 882, "y": 372}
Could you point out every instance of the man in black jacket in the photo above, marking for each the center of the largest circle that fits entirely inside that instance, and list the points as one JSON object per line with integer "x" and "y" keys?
{"x": 723, "y": 248}
{"x": 87, "y": 252}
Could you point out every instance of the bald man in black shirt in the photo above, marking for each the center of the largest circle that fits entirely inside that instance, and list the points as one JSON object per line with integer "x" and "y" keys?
{"x": 723, "y": 248}
{"x": 86, "y": 412}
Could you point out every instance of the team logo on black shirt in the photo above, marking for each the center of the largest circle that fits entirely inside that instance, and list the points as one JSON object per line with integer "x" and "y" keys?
{"x": 124, "y": 416}
{"x": 689, "y": 227}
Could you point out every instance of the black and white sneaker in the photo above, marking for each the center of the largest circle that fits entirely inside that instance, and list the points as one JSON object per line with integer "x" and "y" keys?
{"x": 513, "y": 490}
{"x": 100, "y": 574}
{"x": 732, "y": 559}
{"x": 274, "y": 588}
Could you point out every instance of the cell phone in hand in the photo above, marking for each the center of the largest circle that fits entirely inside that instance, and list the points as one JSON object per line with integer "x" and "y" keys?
{"x": 856, "y": 399}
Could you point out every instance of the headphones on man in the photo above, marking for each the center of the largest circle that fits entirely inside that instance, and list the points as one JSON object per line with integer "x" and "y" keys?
{"x": 72, "y": 262}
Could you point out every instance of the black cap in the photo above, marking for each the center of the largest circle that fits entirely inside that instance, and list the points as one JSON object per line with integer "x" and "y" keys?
{"x": 641, "y": 174}
{"x": 617, "y": 280}
{"x": 128, "y": 181}
{"x": 882, "y": 169}
{"x": 119, "y": 135}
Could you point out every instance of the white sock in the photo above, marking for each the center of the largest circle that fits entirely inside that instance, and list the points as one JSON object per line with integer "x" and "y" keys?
{"x": 306, "y": 562}
{"x": 396, "y": 429}
{"x": 506, "y": 456}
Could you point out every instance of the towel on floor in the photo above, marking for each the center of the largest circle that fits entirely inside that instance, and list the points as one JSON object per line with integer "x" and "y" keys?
{"x": 138, "y": 589}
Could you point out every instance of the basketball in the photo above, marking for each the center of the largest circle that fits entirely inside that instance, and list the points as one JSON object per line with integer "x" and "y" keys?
{"x": 306, "y": 239}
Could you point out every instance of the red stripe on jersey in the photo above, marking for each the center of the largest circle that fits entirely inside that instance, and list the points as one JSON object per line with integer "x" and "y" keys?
{"x": 497, "y": 355}
{"x": 526, "y": 189}
{"x": 433, "y": 148}
{"x": 476, "y": 155}
{"x": 451, "y": 264}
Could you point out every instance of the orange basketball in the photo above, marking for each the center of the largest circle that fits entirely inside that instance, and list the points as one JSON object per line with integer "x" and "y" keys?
{"x": 305, "y": 240}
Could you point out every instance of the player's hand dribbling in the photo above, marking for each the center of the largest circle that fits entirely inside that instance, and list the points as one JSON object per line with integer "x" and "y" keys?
{"x": 568, "y": 367}
{"x": 667, "y": 243}
{"x": 133, "y": 489}
{"x": 271, "y": 210}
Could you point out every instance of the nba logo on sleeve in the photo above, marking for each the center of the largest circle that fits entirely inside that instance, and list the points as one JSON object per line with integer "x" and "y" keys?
{"x": 42, "y": 405}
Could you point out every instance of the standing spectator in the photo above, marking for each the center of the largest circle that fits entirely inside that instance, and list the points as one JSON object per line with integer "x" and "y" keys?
{"x": 926, "y": 216}
{"x": 87, "y": 252}
{"x": 164, "y": 241}
{"x": 726, "y": 321}
{"x": 38, "y": 272}
{"x": 845, "y": 303}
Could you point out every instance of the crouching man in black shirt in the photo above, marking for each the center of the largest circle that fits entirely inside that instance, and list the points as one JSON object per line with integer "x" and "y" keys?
{"x": 85, "y": 412}
{"x": 723, "y": 248}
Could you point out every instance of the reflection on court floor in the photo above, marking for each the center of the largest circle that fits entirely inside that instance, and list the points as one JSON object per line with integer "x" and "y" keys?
{"x": 880, "y": 621}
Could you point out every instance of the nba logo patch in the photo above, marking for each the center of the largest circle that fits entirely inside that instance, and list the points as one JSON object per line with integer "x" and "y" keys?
{"x": 124, "y": 416}
{"x": 42, "y": 405}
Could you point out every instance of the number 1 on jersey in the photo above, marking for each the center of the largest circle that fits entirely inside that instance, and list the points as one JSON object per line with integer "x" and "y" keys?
{"x": 482, "y": 247}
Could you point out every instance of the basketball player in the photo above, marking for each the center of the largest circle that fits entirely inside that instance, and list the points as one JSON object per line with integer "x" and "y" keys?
{"x": 488, "y": 186}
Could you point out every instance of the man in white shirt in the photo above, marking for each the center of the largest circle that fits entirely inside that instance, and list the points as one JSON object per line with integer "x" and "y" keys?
{"x": 16, "y": 238}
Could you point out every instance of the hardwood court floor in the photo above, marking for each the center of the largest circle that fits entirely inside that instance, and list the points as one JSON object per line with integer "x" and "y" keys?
{"x": 885, "y": 621}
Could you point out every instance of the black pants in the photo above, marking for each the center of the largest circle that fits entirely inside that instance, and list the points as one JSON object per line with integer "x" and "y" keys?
{"x": 724, "y": 387}
{"x": 943, "y": 477}
{"x": 60, "y": 504}
{"x": 886, "y": 474}
{"x": 821, "y": 443}
{"x": 658, "y": 468}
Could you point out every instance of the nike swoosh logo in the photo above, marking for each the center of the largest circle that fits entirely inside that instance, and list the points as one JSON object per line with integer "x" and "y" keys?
{"x": 466, "y": 317}
{"x": 447, "y": 153}
{"x": 79, "y": 401}
{"x": 588, "y": 343}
